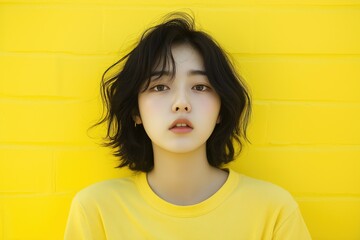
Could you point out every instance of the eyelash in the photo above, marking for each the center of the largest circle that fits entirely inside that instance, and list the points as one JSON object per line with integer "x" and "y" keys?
{"x": 154, "y": 88}
{"x": 160, "y": 85}
{"x": 205, "y": 88}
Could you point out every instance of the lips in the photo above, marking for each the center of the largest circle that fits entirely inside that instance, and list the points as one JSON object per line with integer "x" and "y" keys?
{"x": 181, "y": 123}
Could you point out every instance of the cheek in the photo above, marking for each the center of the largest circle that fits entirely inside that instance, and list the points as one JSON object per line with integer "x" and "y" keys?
{"x": 151, "y": 107}
{"x": 209, "y": 106}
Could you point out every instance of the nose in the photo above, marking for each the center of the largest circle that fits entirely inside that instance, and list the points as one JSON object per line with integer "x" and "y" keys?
{"x": 181, "y": 104}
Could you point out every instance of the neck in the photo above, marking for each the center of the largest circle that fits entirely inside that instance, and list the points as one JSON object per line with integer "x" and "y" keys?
{"x": 184, "y": 178}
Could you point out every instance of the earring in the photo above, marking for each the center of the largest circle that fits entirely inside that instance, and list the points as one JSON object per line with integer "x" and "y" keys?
{"x": 135, "y": 124}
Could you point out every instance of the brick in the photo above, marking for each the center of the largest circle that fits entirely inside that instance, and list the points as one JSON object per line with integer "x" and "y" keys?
{"x": 314, "y": 123}
{"x": 50, "y": 28}
{"x": 332, "y": 218}
{"x": 257, "y": 129}
{"x": 302, "y": 78}
{"x": 304, "y": 170}
{"x": 118, "y": 34}
{"x": 52, "y": 75}
{"x": 307, "y": 30}
{"x": 1, "y": 219}
{"x": 48, "y": 122}
{"x": 284, "y": 30}
{"x": 197, "y": 3}
{"x": 25, "y": 74}
{"x": 36, "y": 217}
{"x": 17, "y": 168}
{"x": 81, "y": 75}
{"x": 78, "y": 168}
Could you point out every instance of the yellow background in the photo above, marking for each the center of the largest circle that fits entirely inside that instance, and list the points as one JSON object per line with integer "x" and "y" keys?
{"x": 300, "y": 58}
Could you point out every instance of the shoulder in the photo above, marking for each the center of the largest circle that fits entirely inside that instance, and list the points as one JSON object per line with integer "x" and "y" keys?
{"x": 106, "y": 190}
{"x": 264, "y": 192}
{"x": 266, "y": 200}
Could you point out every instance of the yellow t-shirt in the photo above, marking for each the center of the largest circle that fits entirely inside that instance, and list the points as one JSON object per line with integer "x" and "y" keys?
{"x": 127, "y": 208}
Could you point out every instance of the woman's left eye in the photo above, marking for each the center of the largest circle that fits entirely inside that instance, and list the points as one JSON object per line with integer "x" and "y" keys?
{"x": 200, "y": 88}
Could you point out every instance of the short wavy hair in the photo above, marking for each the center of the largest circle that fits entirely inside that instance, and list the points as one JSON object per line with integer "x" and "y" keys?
{"x": 120, "y": 92}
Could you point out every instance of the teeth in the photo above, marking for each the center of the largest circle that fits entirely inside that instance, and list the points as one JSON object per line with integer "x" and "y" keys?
{"x": 181, "y": 125}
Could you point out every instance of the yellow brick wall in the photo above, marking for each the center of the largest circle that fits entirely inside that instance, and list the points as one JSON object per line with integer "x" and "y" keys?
{"x": 300, "y": 58}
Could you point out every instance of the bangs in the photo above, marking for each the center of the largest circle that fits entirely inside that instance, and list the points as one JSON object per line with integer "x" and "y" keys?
{"x": 154, "y": 53}
{"x": 163, "y": 65}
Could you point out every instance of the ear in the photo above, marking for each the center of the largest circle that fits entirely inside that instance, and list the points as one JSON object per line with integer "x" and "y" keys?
{"x": 218, "y": 119}
{"x": 136, "y": 116}
{"x": 137, "y": 119}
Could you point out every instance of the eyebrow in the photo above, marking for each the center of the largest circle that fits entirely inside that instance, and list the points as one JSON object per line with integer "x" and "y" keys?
{"x": 168, "y": 73}
{"x": 197, "y": 72}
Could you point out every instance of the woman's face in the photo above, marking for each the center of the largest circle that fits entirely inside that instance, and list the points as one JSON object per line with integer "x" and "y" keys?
{"x": 188, "y": 98}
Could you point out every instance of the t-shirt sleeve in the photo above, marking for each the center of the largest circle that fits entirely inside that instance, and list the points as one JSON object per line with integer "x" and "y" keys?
{"x": 83, "y": 223}
{"x": 292, "y": 228}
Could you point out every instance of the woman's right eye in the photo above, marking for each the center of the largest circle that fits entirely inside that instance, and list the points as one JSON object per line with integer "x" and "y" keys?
{"x": 160, "y": 88}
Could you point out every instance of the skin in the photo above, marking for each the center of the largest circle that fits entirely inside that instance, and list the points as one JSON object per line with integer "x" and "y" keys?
{"x": 181, "y": 174}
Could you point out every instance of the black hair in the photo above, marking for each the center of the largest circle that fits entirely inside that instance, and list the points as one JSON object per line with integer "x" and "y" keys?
{"x": 120, "y": 93}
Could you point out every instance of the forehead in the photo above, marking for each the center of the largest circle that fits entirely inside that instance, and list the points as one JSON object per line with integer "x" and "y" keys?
{"x": 181, "y": 55}
{"x": 182, "y": 58}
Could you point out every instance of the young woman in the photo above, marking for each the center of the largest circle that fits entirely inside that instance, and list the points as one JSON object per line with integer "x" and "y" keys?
{"x": 175, "y": 109}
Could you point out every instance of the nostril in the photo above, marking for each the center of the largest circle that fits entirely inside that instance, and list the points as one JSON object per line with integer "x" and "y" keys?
{"x": 183, "y": 108}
